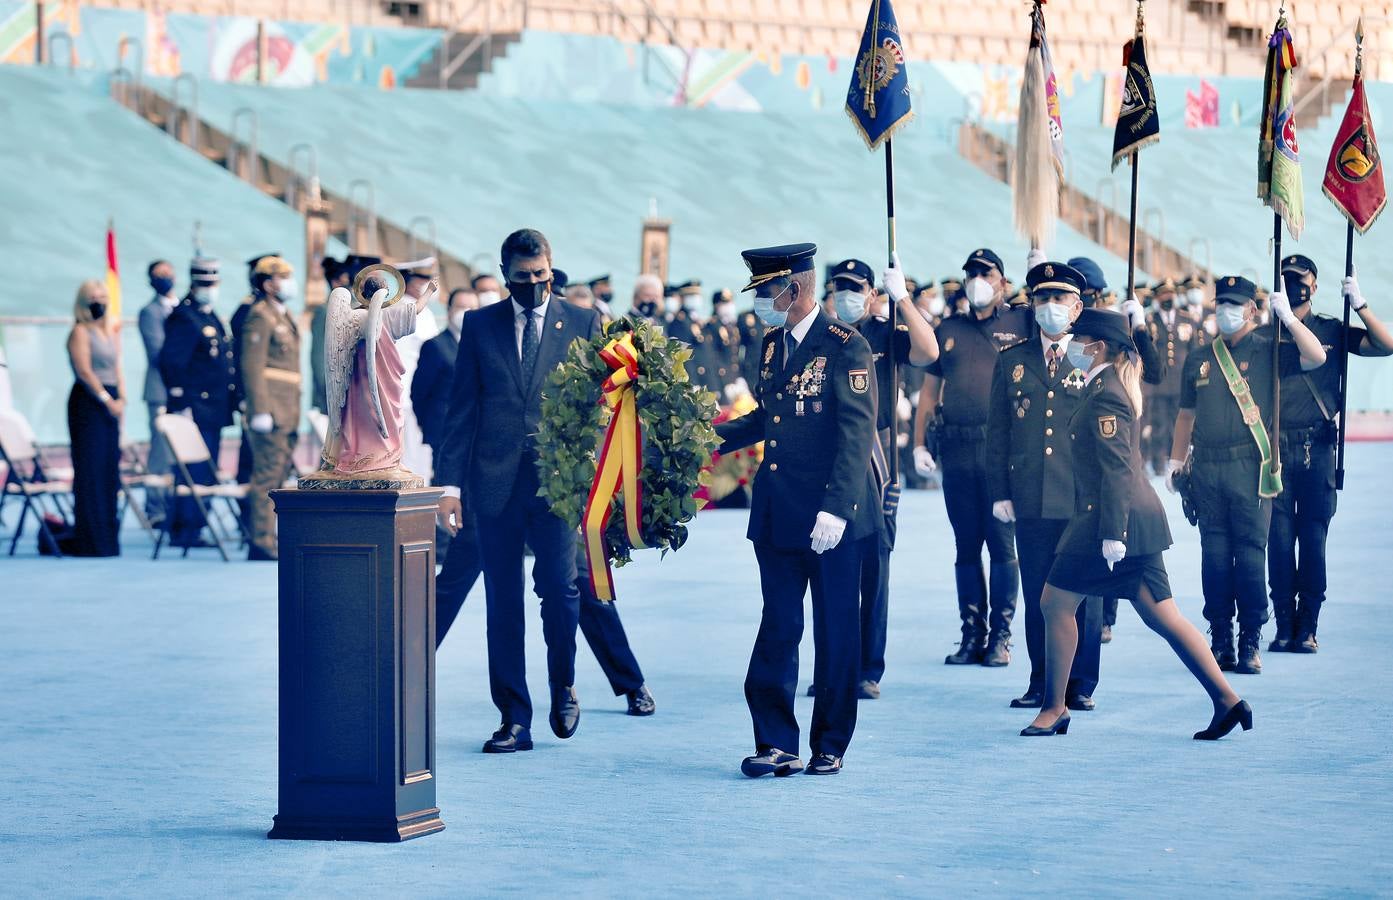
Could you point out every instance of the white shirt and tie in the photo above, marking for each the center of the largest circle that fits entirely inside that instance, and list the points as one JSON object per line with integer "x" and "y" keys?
{"x": 520, "y": 320}
{"x": 1057, "y": 346}
{"x": 794, "y": 336}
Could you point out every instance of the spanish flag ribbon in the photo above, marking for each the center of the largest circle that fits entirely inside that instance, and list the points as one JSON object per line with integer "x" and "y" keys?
{"x": 617, "y": 467}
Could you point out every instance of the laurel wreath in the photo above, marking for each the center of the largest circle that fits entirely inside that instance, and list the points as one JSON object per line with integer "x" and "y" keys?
{"x": 678, "y": 439}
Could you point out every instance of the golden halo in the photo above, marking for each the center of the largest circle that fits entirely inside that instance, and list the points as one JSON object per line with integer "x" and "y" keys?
{"x": 361, "y": 302}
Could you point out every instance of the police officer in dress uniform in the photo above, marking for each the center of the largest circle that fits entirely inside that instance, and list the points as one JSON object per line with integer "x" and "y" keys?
{"x": 723, "y": 346}
{"x": 1114, "y": 543}
{"x": 200, "y": 373}
{"x": 813, "y": 503}
{"x": 1301, "y": 513}
{"x": 1035, "y": 391}
{"x": 1175, "y": 336}
{"x": 959, "y": 384}
{"x": 912, "y": 342}
{"x": 1225, "y": 415}
{"x": 270, "y": 359}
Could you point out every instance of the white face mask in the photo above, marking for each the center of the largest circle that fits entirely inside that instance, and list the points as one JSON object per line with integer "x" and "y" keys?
{"x": 1195, "y": 296}
{"x": 672, "y": 305}
{"x": 1053, "y": 318}
{"x": 850, "y": 305}
{"x": 692, "y": 304}
{"x": 456, "y": 319}
{"x": 979, "y": 292}
{"x": 936, "y": 306}
{"x": 1230, "y": 317}
{"x": 726, "y": 313}
{"x": 206, "y": 296}
{"x": 286, "y": 289}
{"x": 489, "y": 298}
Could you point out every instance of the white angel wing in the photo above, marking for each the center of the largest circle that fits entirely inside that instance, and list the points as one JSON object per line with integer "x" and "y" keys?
{"x": 372, "y": 330}
{"x": 342, "y": 329}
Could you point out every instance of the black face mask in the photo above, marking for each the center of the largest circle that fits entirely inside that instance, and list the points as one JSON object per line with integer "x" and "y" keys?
{"x": 647, "y": 309}
{"x": 1298, "y": 291}
{"x": 162, "y": 284}
{"x": 98, "y": 310}
{"x": 1168, "y": 304}
{"x": 528, "y": 295}
{"x": 604, "y": 297}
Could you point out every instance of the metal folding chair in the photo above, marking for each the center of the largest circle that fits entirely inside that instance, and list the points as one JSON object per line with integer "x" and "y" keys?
{"x": 25, "y": 478}
{"x": 187, "y": 447}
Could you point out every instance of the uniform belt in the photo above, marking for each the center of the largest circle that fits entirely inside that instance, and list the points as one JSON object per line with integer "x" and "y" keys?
{"x": 1245, "y": 450}
{"x": 964, "y": 432}
{"x": 284, "y": 375}
{"x": 1322, "y": 433}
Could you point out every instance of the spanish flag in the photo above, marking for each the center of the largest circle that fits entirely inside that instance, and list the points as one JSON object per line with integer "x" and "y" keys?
{"x": 113, "y": 276}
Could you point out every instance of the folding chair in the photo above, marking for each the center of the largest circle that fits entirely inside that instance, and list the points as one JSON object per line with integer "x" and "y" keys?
{"x": 135, "y": 474}
{"x": 187, "y": 447}
{"x": 25, "y": 478}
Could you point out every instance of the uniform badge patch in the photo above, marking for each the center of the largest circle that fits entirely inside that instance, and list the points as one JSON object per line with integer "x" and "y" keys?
{"x": 1017, "y": 374}
{"x": 769, "y": 353}
{"x": 1107, "y": 426}
{"x": 948, "y": 346}
{"x": 860, "y": 380}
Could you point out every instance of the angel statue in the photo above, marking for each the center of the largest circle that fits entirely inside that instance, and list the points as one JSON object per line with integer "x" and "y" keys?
{"x": 364, "y": 376}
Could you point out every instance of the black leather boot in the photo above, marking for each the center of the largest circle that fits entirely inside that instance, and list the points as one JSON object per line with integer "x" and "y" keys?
{"x": 969, "y": 653}
{"x": 1221, "y": 645}
{"x": 1284, "y": 617}
{"x": 1249, "y": 663}
{"x": 971, "y": 602}
{"x": 1005, "y": 587}
{"x": 998, "y": 650}
{"x": 1304, "y": 639}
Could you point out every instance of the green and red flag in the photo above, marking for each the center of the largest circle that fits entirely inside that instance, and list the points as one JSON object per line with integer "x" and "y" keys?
{"x": 1279, "y": 162}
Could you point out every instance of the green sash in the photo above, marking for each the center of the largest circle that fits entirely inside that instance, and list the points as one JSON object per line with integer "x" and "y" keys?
{"x": 1270, "y": 473}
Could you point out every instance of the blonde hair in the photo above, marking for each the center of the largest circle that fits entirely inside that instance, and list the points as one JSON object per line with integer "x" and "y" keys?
{"x": 82, "y": 315}
{"x": 1129, "y": 373}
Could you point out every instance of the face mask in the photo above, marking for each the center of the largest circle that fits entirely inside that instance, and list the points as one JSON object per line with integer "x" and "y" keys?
{"x": 1298, "y": 291}
{"x": 1230, "y": 318}
{"x": 692, "y": 305}
{"x": 672, "y": 305}
{"x": 97, "y": 310}
{"x": 205, "y": 296}
{"x": 648, "y": 309}
{"x": 489, "y": 298}
{"x": 1168, "y": 304}
{"x": 456, "y": 319}
{"x": 1078, "y": 356}
{"x": 1053, "y": 318}
{"x": 1195, "y": 296}
{"x": 979, "y": 293}
{"x": 936, "y": 306}
{"x": 850, "y": 305}
{"x": 764, "y": 308}
{"x": 287, "y": 289}
{"x": 528, "y": 295}
{"x": 726, "y": 313}
{"x": 162, "y": 284}
{"x": 605, "y": 297}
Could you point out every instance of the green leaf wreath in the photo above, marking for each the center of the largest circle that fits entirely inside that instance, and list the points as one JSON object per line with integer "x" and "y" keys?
{"x": 678, "y": 438}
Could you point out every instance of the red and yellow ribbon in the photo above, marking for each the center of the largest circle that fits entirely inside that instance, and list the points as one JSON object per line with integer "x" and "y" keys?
{"x": 617, "y": 466}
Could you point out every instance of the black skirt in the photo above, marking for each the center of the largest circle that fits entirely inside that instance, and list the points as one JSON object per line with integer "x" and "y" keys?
{"x": 1090, "y": 576}
{"x": 95, "y": 436}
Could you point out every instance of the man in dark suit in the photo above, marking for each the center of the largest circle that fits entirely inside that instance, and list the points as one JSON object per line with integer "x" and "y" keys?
{"x": 151, "y": 320}
{"x": 434, "y": 378}
{"x": 489, "y": 455}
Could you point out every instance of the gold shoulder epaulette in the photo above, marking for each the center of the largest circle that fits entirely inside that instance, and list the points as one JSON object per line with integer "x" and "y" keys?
{"x": 839, "y": 331}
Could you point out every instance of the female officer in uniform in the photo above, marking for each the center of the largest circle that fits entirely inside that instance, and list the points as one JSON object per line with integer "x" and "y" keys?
{"x": 1113, "y": 544}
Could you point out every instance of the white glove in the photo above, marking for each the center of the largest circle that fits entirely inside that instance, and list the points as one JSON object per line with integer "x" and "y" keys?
{"x": 924, "y": 462}
{"x": 736, "y": 388}
{"x": 1034, "y": 258}
{"x": 827, "y": 532}
{"x": 1350, "y": 286}
{"x": 1004, "y": 511}
{"x": 1135, "y": 314}
{"x": 1172, "y": 466}
{"x": 1113, "y": 551}
{"x": 262, "y": 423}
{"x": 1281, "y": 307}
{"x": 892, "y": 279}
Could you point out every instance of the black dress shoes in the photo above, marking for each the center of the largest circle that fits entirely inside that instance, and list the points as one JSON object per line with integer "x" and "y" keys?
{"x": 1080, "y": 702}
{"x": 1031, "y": 699}
{"x": 1239, "y": 714}
{"x": 1305, "y": 642}
{"x": 868, "y": 690}
{"x": 641, "y": 702}
{"x": 1060, "y": 726}
{"x": 825, "y": 764}
{"x": 565, "y": 712}
{"x": 812, "y": 690}
{"x": 509, "y": 739}
{"x": 969, "y": 654}
{"x": 771, "y": 761}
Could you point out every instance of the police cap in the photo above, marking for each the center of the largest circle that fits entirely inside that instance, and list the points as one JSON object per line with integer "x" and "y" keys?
{"x": 418, "y": 268}
{"x": 1092, "y": 273}
{"x": 983, "y": 257}
{"x": 1234, "y": 289}
{"x": 1105, "y": 325}
{"x": 853, "y": 270}
{"x": 767, "y": 263}
{"x": 1055, "y": 277}
{"x": 1298, "y": 263}
{"x": 203, "y": 270}
{"x": 723, "y": 295}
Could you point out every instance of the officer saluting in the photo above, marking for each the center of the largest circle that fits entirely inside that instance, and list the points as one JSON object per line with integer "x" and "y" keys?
{"x": 812, "y": 504}
{"x": 1225, "y": 413}
{"x": 1302, "y": 512}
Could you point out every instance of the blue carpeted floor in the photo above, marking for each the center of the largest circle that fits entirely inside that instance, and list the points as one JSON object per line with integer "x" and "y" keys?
{"x": 139, "y": 748}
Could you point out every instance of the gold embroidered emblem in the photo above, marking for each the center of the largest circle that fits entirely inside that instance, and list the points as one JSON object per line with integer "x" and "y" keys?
{"x": 948, "y": 346}
{"x": 768, "y": 353}
{"x": 1107, "y": 426}
{"x": 1049, "y": 271}
{"x": 1204, "y": 369}
{"x": 1017, "y": 374}
{"x": 860, "y": 380}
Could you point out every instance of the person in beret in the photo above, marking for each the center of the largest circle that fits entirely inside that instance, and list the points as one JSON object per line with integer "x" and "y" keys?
{"x": 1310, "y": 403}
{"x": 812, "y": 505}
{"x": 1225, "y": 433}
{"x": 1114, "y": 542}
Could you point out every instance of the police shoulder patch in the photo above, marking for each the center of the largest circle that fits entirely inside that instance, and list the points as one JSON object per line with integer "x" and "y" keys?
{"x": 860, "y": 380}
{"x": 1107, "y": 426}
{"x": 839, "y": 331}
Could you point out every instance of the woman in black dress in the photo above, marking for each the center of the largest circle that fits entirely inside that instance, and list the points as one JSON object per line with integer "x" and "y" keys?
{"x": 1113, "y": 545}
{"x": 95, "y": 407}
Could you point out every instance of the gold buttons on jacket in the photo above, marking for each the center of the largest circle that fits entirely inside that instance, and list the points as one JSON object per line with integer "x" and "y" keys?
{"x": 776, "y": 420}
{"x": 778, "y": 396}
{"x": 1049, "y": 413}
{"x": 1049, "y": 394}
{"x": 1049, "y": 432}
{"x": 1090, "y": 507}
{"x": 773, "y": 444}
{"x": 773, "y": 467}
{"x": 1049, "y": 451}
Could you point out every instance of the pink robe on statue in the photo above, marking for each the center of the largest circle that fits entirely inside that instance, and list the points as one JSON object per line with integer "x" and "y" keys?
{"x": 362, "y": 448}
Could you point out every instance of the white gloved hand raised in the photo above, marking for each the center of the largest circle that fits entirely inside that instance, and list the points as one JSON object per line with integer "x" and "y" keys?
{"x": 1281, "y": 307}
{"x": 827, "y": 532}
{"x": 892, "y": 279}
{"x": 924, "y": 462}
{"x": 262, "y": 423}
{"x": 1004, "y": 511}
{"x": 1113, "y": 551}
{"x": 1172, "y": 466}
{"x": 1034, "y": 258}
{"x": 1350, "y": 287}
{"x": 1135, "y": 314}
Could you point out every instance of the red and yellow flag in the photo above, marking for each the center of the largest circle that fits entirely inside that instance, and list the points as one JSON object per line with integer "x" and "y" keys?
{"x": 113, "y": 276}
{"x": 1354, "y": 174}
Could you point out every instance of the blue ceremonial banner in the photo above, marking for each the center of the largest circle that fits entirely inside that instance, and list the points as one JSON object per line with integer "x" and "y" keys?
{"x": 878, "y": 99}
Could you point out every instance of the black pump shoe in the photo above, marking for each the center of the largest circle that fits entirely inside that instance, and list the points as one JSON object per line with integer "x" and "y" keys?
{"x": 1239, "y": 714}
{"x": 1060, "y": 726}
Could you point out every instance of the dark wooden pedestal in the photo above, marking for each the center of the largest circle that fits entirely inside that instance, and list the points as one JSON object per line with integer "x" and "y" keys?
{"x": 357, "y": 665}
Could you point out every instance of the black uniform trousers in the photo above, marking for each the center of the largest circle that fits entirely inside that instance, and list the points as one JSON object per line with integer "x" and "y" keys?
{"x": 785, "y": 576}
{"x": 527, "y": 519}
{"x": 966, "y": 491}
{"x": 875, "y": 607}
{"x": 188, "y": 521}
{"x": 1161, "y": 410}
{"x": 1233, "y": 536}
{"x": 1301, "y": 517}
{"x": 1036, "y": 540}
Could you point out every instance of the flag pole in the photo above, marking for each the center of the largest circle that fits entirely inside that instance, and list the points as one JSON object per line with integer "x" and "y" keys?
{"x": 894, "y": 449}
{"x": 1276, "y": 346}
{"x": 1132, "y": 233}
{"x": 1349, "y": 273}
